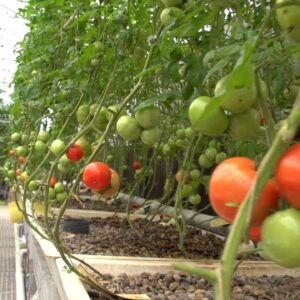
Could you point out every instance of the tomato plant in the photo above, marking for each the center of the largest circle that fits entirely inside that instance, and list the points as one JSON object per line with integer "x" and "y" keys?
{"x": 176, "y": 85}
{"x": 230, "y": 183}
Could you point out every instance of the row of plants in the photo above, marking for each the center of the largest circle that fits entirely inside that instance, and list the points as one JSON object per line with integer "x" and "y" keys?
{"x": 211, "y": 87}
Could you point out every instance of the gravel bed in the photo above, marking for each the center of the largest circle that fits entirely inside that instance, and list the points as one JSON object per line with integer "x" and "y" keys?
{"x": 173, "y": 286}
{"x": 115, "y": 236}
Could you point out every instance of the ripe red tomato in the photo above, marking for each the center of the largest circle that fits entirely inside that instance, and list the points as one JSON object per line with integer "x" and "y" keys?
{"x": 53, "y": 181}
{"x": 229, "y": 185}
{"x": 21, "y": 159}
{"x": 74, "y": 153}
{"x": 255, "y": 233}
{"x": 97, "y": 176}
{"x": 136, "y": 165}
{"x": 287, "y": 175}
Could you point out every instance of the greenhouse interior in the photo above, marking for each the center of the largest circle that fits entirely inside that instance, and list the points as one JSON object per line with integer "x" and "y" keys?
{"x": 150, "y": 149}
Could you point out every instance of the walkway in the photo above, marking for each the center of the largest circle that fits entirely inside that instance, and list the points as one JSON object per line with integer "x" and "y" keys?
{"x": 7, "y": 257}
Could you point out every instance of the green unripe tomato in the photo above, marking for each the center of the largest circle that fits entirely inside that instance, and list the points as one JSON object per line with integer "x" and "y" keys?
{"x": 214, "y": 144}
{"x": 59, "y": 187}
{"x": 11, "y": 174}
{"x": 189, "y": 133}
{"x": 170, "y": 14}
{"x": 43, "y": 136}
{"x": 211, "y": 153}
{"x": 94, "y": 62}
{"x": 57, "y": 147}
{"x": 61, "y": 197}
{"x": 100, "y": 121}
{"x": 244, "y": 125}
{"x": 167, "y": 150}
{"x": 150, "y": 136}
{"x": 64, "y": 160}
{"x": 181, "y": 143}
{"x": 109, "y": 158}
{"x": 33, "y": 185}
{"x": 52, "y": 193}
{"x": 99, "y": 46}
{"x": 82, "y": 113}
{"x": 280, "y": 233}
{"x": 21, "y": 151}
{"x": 180, "y": 133}
{"x": 15, "y": 137}
{"x": 138, "y": 173}
{"x": 128, "y": 128}
{"x": 63, "y": 169}
{"x": 195, "y": 199}
{"x": 148, "y": 117}
{"x": 220, "y": 157}
{"x": 195, "y": 174}
{"x": 40, "y": 147}
{"x": 204, "y": 162}
{"x": 289, "y": 20}
{"x": 139, "y": 54}
{"x": 237, "y": 100}
{"x": 187, "y": 190}
{"x": 214, "y": 125}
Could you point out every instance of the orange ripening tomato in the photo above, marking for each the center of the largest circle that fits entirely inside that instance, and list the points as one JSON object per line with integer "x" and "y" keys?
{"x": 115, "y": 184}
{"x": 288, "y": 175}
{"x": 180, "y": 174}
{"x": 230, "y": 184}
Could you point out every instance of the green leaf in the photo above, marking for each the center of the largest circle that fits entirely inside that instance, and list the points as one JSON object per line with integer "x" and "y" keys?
{"x": 221, "y": 52}
{"x": 161, "y": 98}
{"x": 218, "y": 66}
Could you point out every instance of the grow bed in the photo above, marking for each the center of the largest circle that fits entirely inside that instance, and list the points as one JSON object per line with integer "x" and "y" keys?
{"x": 180, "y": 286}
{"x": 115, "y": 236}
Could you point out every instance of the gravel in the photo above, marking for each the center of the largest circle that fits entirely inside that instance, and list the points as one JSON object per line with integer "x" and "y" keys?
{"x": 173, "y": 286}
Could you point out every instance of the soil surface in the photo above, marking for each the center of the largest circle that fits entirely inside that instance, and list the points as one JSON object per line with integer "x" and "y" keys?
{"x": 114, "y": 206}
{"x": 115, "y": 236}
{"x": 187, "y": 287}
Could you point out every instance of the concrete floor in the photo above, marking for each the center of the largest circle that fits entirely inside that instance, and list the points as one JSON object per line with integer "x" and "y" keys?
{"x": 7, "y": 257}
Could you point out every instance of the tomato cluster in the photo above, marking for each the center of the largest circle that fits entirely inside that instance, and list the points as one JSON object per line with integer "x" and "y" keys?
{"x": 279, "y": 231}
